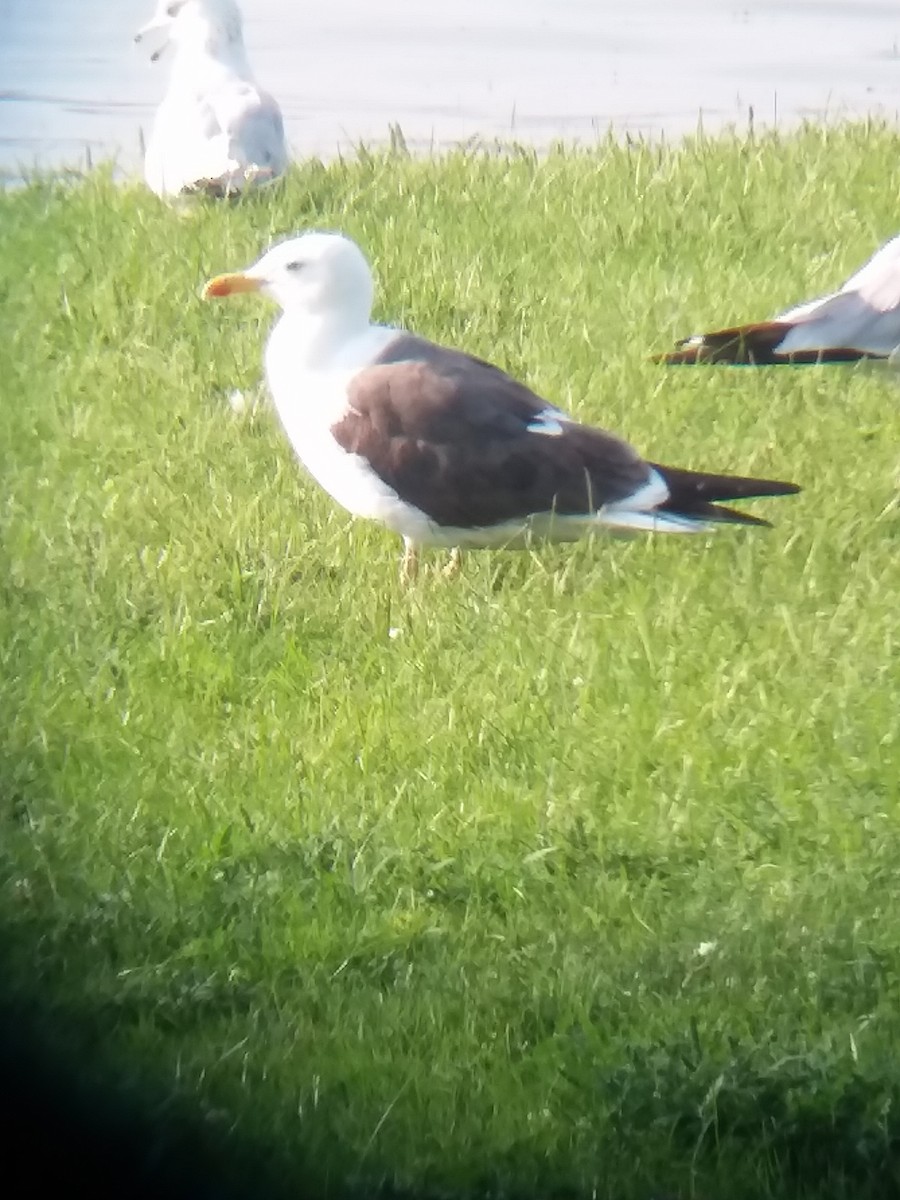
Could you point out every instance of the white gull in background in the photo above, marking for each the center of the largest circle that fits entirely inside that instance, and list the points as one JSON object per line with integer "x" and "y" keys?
{"x": 443, "y": 448}
{"x": 216, "y": 131}
{"x": 860, "y": 320}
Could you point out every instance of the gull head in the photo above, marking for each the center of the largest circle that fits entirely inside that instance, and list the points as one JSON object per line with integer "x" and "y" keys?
{"x": 204, "y": 26}
{"x": 318, "y": 275}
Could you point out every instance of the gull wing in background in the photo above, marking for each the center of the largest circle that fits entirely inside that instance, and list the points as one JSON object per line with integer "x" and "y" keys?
{"x": 861, "y": 320}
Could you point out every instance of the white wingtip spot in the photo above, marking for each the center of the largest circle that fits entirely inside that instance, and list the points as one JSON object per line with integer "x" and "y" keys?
{"x": 549, "y": 422}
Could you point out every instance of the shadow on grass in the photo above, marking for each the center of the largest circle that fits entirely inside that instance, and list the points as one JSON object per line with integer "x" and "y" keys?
{"x": 63, "y": 1116}
{"x": 69, "y": 1123}
{"x": 810, "y": 1125}
{"x": 63, "y": 1119}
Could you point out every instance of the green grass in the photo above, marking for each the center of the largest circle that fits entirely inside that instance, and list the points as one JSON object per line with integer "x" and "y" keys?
{"x": 577, "y": 876}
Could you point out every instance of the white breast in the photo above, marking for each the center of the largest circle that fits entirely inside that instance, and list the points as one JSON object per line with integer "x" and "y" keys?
{"x": 310, "y": 401}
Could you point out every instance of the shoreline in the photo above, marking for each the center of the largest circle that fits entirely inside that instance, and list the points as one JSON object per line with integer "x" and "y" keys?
{"x": 128, "y": 167}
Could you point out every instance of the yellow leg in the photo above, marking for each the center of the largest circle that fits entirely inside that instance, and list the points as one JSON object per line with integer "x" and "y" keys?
{"x": 454, "y": 564}
{"x": 409, "y": 564}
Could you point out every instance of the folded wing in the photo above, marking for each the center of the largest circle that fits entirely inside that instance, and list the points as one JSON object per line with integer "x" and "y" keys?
{"x": 472, "y": 448}
{"x": 861, "y": 320}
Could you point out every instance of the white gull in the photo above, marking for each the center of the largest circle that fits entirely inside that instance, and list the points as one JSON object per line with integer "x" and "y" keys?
{"x": 216, "y": 131}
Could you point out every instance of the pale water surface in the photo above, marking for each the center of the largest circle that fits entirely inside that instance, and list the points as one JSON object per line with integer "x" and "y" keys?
{"x": 72, "y": 83}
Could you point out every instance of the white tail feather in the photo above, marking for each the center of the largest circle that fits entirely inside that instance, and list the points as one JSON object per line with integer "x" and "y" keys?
{"x": 658, "y": 522}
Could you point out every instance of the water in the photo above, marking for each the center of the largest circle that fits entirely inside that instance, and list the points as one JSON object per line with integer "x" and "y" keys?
{"x": 72, "y": 83}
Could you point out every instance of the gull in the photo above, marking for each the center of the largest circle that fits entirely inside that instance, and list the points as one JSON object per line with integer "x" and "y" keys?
{"x": 216, "y": 131}
{"x": 860, "y": 320}
{"x": 442, "y": 448}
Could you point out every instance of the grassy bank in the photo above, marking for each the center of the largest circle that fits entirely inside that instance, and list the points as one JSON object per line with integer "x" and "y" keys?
{"x": 574, "y": 877}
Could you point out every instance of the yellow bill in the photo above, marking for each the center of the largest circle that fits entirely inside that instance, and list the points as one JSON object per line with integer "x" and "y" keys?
{"x": 229, "y": 285}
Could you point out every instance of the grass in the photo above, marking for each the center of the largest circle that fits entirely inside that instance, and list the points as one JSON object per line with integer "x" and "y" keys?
{"x": 575, "y": 877}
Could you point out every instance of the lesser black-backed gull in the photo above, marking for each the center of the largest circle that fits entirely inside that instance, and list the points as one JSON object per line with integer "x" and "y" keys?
{"x": 443, "y": 448}
{"x": 216, "y": 131}
{"x": 860, "y": 320}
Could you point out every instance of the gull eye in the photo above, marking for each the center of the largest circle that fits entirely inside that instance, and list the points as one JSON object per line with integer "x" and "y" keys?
{"x": 172, "y": 10}
{"x": 297, "y": 265}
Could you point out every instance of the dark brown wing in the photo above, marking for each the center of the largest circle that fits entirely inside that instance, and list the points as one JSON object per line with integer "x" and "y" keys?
{"x": 751, "y": 346}
{"x": 471, "y": 447}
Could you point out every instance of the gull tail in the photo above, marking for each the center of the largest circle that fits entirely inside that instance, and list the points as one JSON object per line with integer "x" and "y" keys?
{"x": 694, "y": 496}
{"x": 752, "y": 346}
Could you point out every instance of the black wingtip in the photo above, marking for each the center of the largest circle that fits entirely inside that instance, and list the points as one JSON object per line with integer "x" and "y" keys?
{"x": 700, "y": 494}
{"x": 690, "y": 356}
{"x": 753, "y": 345}
{"x": 733, "y": 516}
